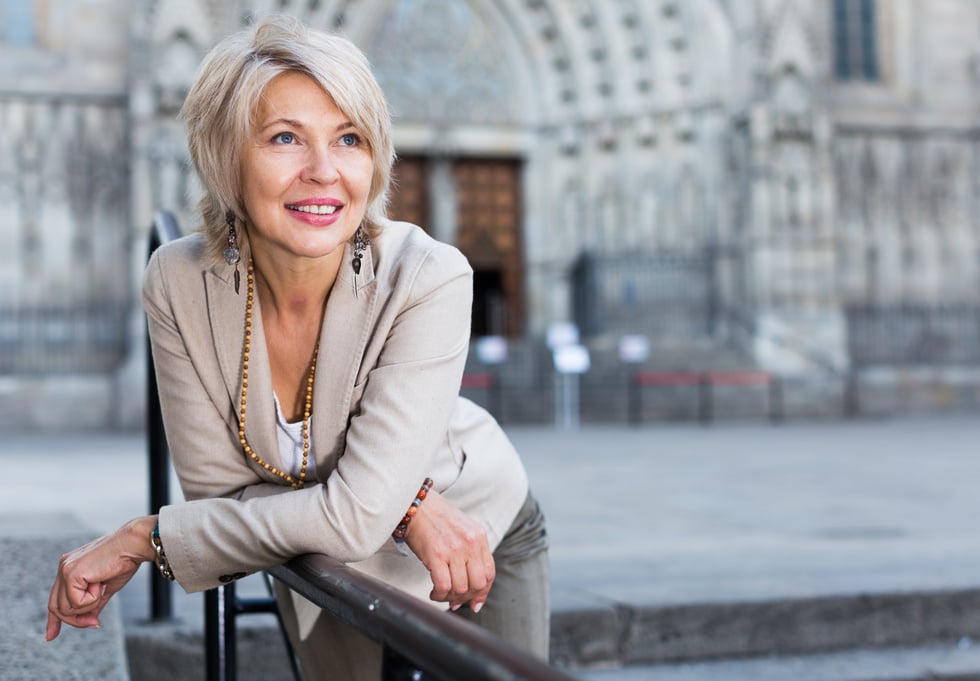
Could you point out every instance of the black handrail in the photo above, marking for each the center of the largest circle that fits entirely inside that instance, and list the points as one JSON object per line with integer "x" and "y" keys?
{"x": 164, "y": 229}
{"x": 414, "y": 635}
{"x": 447, "y": 647}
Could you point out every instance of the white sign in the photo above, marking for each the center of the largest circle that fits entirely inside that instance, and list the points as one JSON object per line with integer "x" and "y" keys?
{"x": 562, "y": 333}
{"x": 492, "y": 349}
{"x": 572, "y": 359}
{"x": 634, "y": 349}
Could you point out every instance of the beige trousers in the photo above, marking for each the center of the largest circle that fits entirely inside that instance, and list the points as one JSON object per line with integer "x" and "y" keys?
{"x": 518, "y": 609}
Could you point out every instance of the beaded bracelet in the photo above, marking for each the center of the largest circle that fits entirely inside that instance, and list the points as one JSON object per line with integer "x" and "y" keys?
{"x": 163, "y": 565}
{"x": 399, "y": 534}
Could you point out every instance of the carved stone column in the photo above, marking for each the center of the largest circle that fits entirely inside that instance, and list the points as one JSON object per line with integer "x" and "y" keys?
{"x": 787, "y": 235}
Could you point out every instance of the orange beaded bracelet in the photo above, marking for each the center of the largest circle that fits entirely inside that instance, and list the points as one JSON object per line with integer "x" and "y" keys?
{"x": 399, "y": 534}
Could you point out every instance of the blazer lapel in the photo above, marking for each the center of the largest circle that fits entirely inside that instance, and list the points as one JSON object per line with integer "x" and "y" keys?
{"x": 343, "y": 336}
{"x": 226, "y": 310}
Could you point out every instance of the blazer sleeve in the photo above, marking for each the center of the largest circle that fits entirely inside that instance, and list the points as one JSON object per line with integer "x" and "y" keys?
{"x": 408, "y": 400}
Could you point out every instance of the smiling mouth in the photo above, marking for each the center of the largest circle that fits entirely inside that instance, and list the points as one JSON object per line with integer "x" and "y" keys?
{"x": 315, "y": 209}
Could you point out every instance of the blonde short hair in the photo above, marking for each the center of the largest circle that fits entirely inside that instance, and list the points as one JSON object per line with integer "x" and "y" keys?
{"x": 220, "y": 110}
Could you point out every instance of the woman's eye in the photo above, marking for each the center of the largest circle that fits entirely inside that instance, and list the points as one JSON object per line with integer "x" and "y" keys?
{"x": 284, "y": 138}
{"x": 350, "y": 140}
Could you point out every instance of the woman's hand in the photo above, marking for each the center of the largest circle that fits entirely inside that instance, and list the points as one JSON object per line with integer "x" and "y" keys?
{"x": 89, "y": 576}
{"x": 455, "y": 550}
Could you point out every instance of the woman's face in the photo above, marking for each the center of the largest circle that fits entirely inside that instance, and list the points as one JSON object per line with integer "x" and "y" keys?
{"x": 306, "y": 172}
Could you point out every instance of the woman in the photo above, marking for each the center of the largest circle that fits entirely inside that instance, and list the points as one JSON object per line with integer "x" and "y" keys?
{"x": 309, "y": 354}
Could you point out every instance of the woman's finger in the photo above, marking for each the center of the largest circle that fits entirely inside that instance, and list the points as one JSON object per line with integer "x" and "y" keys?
{"x": 85, "y": 595}
{"x": 461, "y": 585}
{"x": 477, "y": 577}
{"x": 441, "y": 580}
{"x": 86, "y": 619}
{"x": 54, "y": 627}
{"x": 480, "y": 583}
{"x": 74, "y": 600}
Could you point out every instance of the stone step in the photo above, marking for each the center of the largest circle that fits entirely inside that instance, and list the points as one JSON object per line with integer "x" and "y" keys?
{"x": 175, "y": 650}
{"x": 30, "y": 547}
{"x": 957, "y": 661}
{"x": 677, "y": 642}
{"x": 621, "y": 635}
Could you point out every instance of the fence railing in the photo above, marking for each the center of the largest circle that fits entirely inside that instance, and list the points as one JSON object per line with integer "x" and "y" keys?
{"x": 420, "y": 642}
{"x": 445, "y": 647}
{"x": 936, "y": 335}
{"x": 705, "y": 383}
{"x": 657, "y": 294}
{"x": 164, "y": 229}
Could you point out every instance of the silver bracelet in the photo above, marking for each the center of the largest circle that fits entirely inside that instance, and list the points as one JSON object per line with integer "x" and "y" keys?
{"x": 163, "y": 565}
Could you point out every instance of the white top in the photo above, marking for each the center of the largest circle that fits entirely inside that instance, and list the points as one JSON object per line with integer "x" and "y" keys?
{"x": 291, "y": 444}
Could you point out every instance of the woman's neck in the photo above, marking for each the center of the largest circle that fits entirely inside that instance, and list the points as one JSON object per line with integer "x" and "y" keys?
{"x": 294, "y": 289}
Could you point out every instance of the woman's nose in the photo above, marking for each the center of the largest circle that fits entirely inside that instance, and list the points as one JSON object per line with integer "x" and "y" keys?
{"x": 321, "y": 166}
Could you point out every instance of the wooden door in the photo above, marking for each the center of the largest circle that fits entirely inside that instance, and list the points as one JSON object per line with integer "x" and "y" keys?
{"x": 488, "y": 217}
{"x": 409, "y": 195}
{"x": 488, "y": 213}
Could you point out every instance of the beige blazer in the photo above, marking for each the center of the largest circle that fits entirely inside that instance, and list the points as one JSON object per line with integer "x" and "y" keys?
{"x": 386, "y": 414}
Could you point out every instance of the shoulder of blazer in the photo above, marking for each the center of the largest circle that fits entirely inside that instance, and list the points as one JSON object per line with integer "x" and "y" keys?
{"x": 403, "y": 248}
{"x": 181, "y": 256}
{"x": 176, "y": 271}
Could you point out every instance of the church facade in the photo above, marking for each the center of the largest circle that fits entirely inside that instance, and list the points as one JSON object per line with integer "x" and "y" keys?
{"x": 794, "y": 183}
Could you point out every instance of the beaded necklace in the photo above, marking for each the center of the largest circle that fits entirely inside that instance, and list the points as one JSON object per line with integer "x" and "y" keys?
{"x": 297, "y": 483}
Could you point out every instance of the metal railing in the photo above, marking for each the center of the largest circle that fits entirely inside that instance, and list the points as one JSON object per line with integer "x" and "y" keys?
{"x": 163, "y": 230}
{"x": 705, "y": 383}
{"x": 419, "y": 642}
{"x": 444, "y": 646}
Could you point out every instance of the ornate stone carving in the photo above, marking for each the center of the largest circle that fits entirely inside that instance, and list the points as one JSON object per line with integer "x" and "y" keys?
{"x": 450, "y": 69}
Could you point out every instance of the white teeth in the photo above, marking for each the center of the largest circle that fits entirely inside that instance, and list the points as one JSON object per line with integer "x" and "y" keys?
{"x": 315, "y": 209}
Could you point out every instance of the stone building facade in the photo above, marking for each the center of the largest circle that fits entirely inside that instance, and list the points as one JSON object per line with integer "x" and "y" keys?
{"x": 788, "y": 184}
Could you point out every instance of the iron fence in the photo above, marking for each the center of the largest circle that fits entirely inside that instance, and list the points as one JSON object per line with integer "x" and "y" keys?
{"x": 658, "y": 294}
{"x": 89, "y": 338}
{"x": 913, "y": 335}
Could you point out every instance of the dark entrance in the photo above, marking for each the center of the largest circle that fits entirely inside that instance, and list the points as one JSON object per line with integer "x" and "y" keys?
{"x": 488, "y": 303}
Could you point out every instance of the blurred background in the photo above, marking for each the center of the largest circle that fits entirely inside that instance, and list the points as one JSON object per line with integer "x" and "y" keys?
{"x": 677, "y": 211}
{"x": 727, "y": 208}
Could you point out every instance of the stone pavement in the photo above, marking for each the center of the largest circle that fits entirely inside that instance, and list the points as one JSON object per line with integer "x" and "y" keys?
{"x": 676, "y": 541}
{"x": 30, "y": 546}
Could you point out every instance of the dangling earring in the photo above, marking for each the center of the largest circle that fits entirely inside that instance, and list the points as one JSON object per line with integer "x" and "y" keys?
{"x": 232, "y": 254}
{"x": 360, "y": 243}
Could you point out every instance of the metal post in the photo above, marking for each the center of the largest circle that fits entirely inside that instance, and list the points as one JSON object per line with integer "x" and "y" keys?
{"x": 564, "y": 416}
{"x": 634, "y": 395}
{"x": 706, "y": 399}
{"x": 574, "y": 410}
{"x": 566, "y": 401}
{"x": 394, "y": 667}
{"x": 558, "y": 400}
{"x": 164, "y": 229}
{"x": 161, "y": 605}
{"x": 775, "y": 399}
{"x": 852, "y": 406}
{"x": 219, "y": 633}
{"x": 496, "y": 396}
